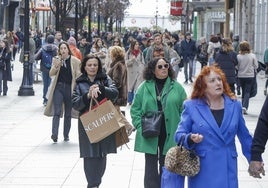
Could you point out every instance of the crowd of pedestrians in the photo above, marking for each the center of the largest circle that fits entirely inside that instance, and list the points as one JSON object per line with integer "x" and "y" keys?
{"x": 140, "y": 69}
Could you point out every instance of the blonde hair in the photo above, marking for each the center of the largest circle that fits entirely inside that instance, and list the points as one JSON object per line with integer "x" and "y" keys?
{"x": 117, "y": 53}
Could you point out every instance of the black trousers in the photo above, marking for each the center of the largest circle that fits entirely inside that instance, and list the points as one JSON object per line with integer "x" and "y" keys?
{"x": 153, "y": 170}
{"x": 94, "y": 170}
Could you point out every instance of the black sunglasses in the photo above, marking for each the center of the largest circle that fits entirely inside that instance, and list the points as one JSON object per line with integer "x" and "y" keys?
{"x": 166, "y": 66}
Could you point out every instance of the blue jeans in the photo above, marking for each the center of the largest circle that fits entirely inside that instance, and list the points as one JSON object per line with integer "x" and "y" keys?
{"x": 246, "y": 85}
{"x": 46, "y": 82}
{"x": 187, "y": 62}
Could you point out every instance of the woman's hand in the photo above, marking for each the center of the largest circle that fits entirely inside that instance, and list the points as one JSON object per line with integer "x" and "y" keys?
{"x": 196, "y": 138}
{"x": 57, "y": 62}
{"x": 94, "y": 91}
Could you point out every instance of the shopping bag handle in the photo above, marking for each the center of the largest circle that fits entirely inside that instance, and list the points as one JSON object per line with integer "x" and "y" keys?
{"x": 97, "y": 103}
{"x": 91, "y": 101}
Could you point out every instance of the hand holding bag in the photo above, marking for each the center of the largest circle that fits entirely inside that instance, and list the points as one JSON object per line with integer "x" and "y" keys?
{"x": 151, "y": 123}
{"x": 182, "y": 161}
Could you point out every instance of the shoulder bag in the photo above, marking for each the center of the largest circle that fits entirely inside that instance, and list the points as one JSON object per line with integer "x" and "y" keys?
{"x": 151, "y": 122}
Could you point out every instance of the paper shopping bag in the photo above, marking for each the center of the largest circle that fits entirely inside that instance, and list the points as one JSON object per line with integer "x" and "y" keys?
{"x": 101, "y": 121}
{"x": 121, "y": 137}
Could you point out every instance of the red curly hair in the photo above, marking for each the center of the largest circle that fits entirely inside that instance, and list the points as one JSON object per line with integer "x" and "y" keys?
{"x": 200, "y": 84}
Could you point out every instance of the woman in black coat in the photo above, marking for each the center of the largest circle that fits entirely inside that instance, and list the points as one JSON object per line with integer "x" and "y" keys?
{"x": 93, "y": 83}
{"x": 227, "y": 60}
{"x": 5, "y": 66}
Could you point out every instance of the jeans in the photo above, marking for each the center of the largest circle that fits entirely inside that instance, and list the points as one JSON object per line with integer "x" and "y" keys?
{"x": 246, "y": 85}
{"x": 46, "y": 82}
{"x": 187, "y": 62}
{"x": 62, "y": 94}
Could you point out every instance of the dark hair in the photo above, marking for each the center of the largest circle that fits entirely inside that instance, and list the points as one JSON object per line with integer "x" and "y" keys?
{"x": 64, "y": 42}
{"x": 84, "y": 62}
{"x": 214, "y": 39}
{"x": 148, "y": 72}
{"x": 132, "y": 44}
{"x": 7, "y": 45}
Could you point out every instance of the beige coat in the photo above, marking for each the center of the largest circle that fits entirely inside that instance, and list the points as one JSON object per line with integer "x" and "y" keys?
{"x": 135, "y": 68}
{"x": 54, "y": 73}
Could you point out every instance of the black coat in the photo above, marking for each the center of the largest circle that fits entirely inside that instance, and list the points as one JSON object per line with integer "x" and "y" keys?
{"x": 227, "y": 62}
{"x": 6, "y": 57}
{"x": 81, "y": 103}
{"x": 261, "y": 134}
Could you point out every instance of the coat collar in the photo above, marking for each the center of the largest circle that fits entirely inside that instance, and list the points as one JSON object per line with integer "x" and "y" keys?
{"x": 206, "y": 114}
{"x": 151, "y": 88}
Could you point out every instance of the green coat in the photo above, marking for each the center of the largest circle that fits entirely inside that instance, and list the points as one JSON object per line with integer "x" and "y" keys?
{"x": 145, "y": 100}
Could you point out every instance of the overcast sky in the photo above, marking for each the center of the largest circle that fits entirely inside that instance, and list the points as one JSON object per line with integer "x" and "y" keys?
{"x": 148, "y": 7}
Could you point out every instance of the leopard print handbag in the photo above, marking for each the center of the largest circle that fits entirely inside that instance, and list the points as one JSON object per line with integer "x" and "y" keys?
{"x": 182, "y": 161}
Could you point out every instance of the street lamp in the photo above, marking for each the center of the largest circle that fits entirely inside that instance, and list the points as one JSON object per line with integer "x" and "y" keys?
{"x": 26, "y": 88}
{"x": 98, "y": 19}
{"x": 156, "y": 14}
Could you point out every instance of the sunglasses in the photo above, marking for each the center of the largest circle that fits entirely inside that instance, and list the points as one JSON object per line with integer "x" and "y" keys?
{"x": 166, "y": 66}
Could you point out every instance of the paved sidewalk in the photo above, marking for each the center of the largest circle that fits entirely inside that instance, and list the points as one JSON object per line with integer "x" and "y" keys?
{"x": 30, "y": 159}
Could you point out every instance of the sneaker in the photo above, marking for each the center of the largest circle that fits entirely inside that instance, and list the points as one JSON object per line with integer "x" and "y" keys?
{"x": 54, "y": 138}
{"x": 186, "y": 82}
{"x": 66, "y": 139}
{"x": 244, "y": 111}
{"x": 191, "y": 80}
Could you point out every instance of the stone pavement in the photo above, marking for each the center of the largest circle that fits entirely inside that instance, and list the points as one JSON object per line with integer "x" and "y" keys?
{"x": 29, "y": 158}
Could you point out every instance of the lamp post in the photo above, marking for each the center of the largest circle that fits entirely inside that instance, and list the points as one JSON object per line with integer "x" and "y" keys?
{"x": 76, "y": 21}
{"x": 98, "y": 19}
{"x": 156, "y": 14}
{"x": 26, "y": 88}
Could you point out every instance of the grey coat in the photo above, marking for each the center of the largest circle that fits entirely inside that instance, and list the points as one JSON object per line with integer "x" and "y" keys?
{"x": 135, "y": 68}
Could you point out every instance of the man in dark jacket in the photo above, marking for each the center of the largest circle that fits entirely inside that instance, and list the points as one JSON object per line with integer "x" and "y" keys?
{"x": 45, "y": 54}
{"x": 188, "y": 52}
{"x": 258, "y": 144}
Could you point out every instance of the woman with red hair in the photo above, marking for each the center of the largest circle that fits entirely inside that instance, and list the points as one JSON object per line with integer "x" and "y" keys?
{"x": 210, "y": 121}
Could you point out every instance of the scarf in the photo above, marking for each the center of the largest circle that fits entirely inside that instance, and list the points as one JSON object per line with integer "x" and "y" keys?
{"x": 135, "y": 52}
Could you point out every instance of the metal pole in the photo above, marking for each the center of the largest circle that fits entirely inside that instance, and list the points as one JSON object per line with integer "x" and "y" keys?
{"x": 76, "y": 21}
{"x": 187, "y": 16}
{"x": 98, "y": 20}
{"x": 26, "y": 88}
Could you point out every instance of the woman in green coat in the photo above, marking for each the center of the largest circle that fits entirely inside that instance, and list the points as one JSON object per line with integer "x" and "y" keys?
{"x": 159, "y": 92}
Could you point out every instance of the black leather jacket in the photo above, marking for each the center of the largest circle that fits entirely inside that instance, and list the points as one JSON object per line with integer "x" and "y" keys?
{"x": 81, "y": 103}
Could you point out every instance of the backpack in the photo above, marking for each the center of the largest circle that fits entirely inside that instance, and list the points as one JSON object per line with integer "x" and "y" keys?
{"x": 46, "y": 58}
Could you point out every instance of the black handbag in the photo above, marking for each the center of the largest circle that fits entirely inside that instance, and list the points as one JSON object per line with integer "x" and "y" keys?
{"x": 182, "y": 161}
{"x": 151, "y": 123}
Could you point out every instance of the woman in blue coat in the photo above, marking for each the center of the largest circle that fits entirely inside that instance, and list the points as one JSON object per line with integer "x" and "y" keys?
{"x": 210, "y": 121}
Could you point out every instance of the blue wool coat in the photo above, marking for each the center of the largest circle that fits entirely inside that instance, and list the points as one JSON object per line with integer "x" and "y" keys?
{"x": 217, "y": 151}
